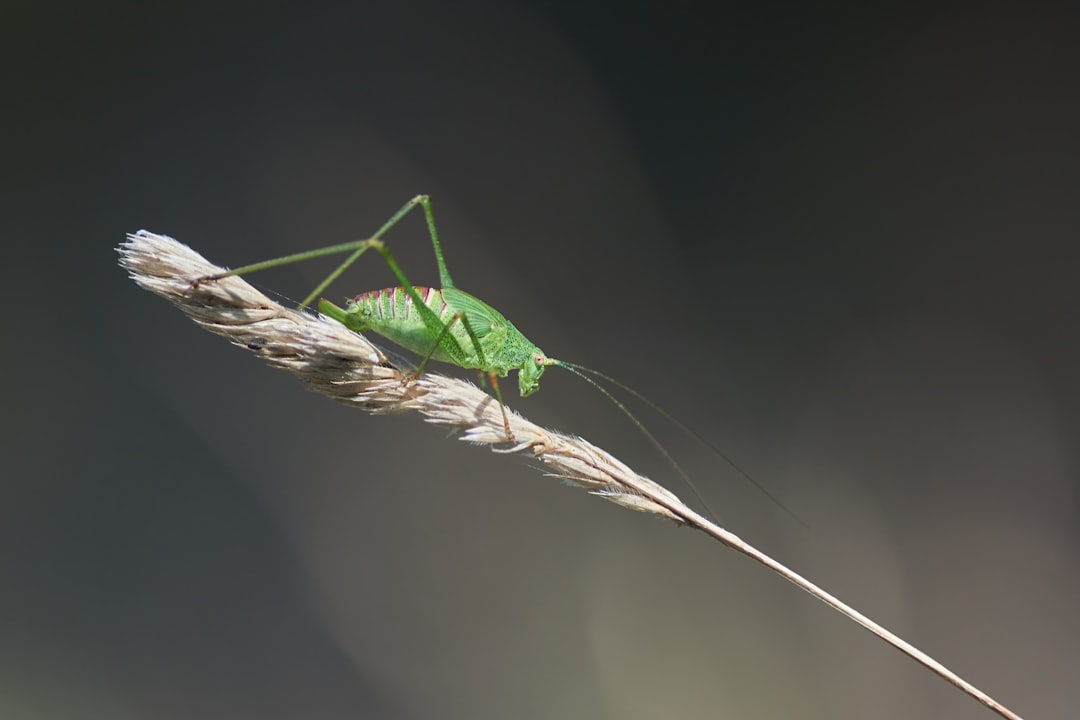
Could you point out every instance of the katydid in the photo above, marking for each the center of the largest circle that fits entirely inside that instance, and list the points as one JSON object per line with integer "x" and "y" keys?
{"x": 444, "y": 324}
{"x": 450, "y": 325}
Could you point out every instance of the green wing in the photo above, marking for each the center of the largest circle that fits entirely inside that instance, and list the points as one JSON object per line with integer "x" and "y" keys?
{"x": 483, "y": 319}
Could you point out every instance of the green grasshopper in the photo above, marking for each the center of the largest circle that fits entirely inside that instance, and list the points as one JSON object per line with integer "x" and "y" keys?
{"x": 445, "y": 324}
{"x": 450, "y": 325}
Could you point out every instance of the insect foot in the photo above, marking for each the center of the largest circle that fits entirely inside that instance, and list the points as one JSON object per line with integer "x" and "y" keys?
{"x": 194, "y": 284}
{"x": 509, "y": 434}
{"x": 198, "y": 282}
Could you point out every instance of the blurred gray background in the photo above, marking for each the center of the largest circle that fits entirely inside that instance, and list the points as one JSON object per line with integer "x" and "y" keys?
{"x": 842, "y": 243}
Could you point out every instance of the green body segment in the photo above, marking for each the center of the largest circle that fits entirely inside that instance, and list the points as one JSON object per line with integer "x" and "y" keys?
{"x": 454, "y": 327}
{"x": 445, "y": 324}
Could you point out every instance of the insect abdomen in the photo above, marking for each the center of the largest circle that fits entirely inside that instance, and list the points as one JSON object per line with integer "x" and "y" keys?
{"x": 390, "y": 313}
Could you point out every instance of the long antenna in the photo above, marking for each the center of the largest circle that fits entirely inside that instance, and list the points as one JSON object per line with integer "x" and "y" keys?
{"x": 581, "y": 370}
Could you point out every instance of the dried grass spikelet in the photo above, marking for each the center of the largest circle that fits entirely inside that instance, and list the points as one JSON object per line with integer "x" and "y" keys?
{"x": 342, "y": 364}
